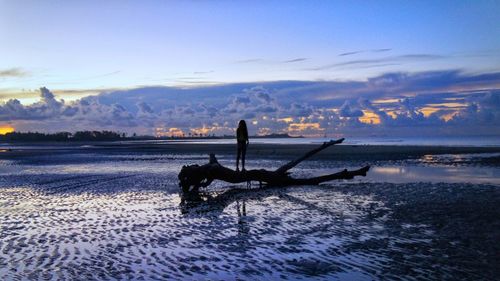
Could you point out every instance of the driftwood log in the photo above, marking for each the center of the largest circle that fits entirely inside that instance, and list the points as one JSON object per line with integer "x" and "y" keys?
{"x": 192, "y": 177}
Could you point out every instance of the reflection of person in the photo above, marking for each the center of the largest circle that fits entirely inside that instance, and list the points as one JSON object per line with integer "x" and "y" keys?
{"x": 243, "y": 227}
{"x": 242, "y": 138}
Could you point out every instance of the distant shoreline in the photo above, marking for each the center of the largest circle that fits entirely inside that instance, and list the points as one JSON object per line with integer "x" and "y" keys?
{"x": 489, "y": 142}
{"x": 367, "y": 153}
{"x": 101, "y": 136}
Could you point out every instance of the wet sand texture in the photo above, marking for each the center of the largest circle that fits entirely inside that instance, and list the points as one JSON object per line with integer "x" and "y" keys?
{"x": 117, "y": 215}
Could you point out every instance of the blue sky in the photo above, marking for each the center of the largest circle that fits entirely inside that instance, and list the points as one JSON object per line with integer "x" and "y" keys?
{"x": 81, "y": 48}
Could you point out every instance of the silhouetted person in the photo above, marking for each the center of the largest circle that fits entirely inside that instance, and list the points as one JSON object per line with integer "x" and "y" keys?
{"x": 242, "y": 138}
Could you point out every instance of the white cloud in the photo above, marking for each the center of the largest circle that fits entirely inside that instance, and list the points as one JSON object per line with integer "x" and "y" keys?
{"x": 395, "y": 103}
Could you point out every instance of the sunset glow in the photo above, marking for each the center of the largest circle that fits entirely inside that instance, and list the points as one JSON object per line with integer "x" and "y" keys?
{"x": 203, "y": 82}
{"x": 369, "y": 117}
{"x": 304, "y": 129}
{"x": 286, "y": 120}
{"x": 4, "y": 129}
{"x": 427, "y": 111}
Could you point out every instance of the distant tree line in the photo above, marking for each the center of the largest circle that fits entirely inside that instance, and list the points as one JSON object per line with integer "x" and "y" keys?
{"x": 63, "y": 136}
{"x": 107, "y": 136}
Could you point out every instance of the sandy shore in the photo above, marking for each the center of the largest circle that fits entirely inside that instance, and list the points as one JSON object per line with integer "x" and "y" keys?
{"x": 110, "y": 211}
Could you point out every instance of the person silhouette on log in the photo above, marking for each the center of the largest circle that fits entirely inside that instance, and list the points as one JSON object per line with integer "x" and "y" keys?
{"x": 242, "y": 139}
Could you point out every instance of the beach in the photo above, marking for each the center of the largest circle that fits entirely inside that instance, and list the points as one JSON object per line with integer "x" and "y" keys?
{"x": 114, "y": 211}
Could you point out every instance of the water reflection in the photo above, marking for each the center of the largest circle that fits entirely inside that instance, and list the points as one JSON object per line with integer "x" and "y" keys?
{"x": 213, "y": 203}
{"x": 243, "y": 225}
{"x": 468, "y": 159}
{"x": 390, "y": 170}
{"x": 119, "y": 217}
{"x": 437, "y": 173}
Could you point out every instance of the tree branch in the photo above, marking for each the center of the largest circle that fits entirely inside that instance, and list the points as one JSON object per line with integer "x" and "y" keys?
{"x": 295, "y": 162}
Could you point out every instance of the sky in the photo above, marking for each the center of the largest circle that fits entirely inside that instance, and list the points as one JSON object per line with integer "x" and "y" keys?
{"x": 309, "y": 68}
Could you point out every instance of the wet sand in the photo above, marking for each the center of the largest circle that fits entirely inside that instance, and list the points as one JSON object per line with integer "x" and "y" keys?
{"x": 342, "y": 151}
{"x": 114, "y": 212}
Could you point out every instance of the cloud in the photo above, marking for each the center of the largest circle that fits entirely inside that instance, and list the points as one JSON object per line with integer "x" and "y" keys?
{"x": 257, "y": 60}
{"x": 203, "y": 72}
{"x": 350, "y": 53}
{"x": 249, "y": 60}
{"x": 13, "y": 72}
{"x": 295, "y": 60}
{"x": 144, "y": 108}
{"x": 364, "y": 63}
{"x": 347, "y": 110}
{"x": 426, "y": 103}
{"x": 47, "y": 107}
{"x": 359, "y": 52}
{"x": 381, "y": 50}
{"x": 483, "y": 109}
{"x": 98, "y": 76}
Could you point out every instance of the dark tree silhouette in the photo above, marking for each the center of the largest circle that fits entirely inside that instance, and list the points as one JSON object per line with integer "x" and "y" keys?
{"x": 62, "y": 136}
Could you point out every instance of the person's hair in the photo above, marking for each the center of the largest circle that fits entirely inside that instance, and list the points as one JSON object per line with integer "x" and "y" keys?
{"x": 243, "y": 125}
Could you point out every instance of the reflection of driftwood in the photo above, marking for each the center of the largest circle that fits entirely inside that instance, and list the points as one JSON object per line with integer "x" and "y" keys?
{"x": 193, "y": 177}
{"x": 214, "y": 204}
{"x": 202, "y": 202}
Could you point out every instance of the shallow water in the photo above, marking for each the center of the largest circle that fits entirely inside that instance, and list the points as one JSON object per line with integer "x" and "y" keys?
{"x": 120, "y": 216}
{"x": 481, "y": 141}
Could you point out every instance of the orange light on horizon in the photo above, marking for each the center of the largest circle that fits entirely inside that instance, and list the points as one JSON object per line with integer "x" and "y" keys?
{"x": 307, "y": 129}
{"x": 215, "y": 128}
{"x": 286, "y": 119}
{"x": 427, "y": 111}
{"x": 171, "y": 132}
{"x": 202, "y": 130}
{"x": 4, "y": 129}
{"x": 448, "y": 104}
{"x": 448, "y": 117}
{"x": 379, "y": 101}
{"x": 264, "y": 131}
{"x": 369, "y": 117}
{"x": 392, "y": 114}
{"x": 175, "y": 132}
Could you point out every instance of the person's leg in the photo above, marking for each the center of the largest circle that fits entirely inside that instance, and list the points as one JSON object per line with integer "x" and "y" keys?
{"x": 238, "y": 157}
{"x": 243, "y": 154}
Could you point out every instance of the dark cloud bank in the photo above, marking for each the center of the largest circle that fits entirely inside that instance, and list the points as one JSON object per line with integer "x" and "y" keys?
{"x": 400, "y": 104}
